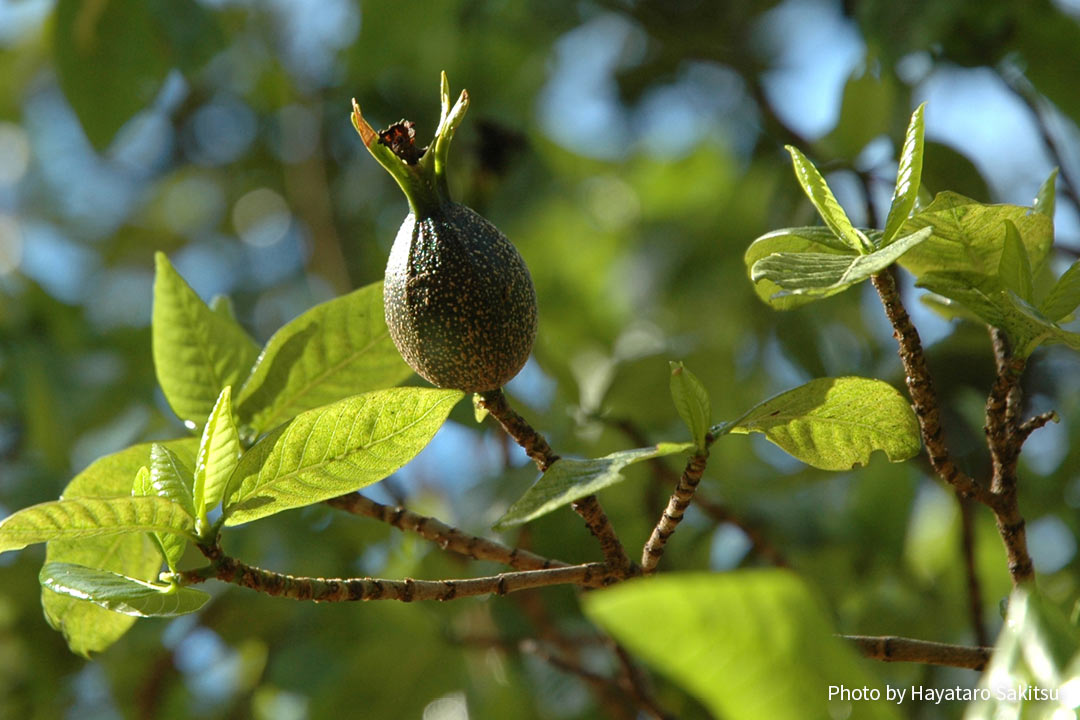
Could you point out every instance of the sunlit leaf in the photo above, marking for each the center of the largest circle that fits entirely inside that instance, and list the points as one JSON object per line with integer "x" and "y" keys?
{"x": 88, "y": 628}
{"x": 1014, "y": 268}
{"x": 1064, "y": 296}
{"x": 813, "y": 239}
{"x": 967, "y": 235}
{"x": 1044, "y": 199}
{"x": 334, "y": 350}
{"x": 908, "y": 177}
{"x": 335, "y": 449}
{"x": 568, "y": 480}
{"x": 836, "y": 423}
{"x": 219, "y": 453}
{"x": 197, "y": 352}
{"x": 92, "y": 517}
{"x": 692, "y": 401}
{"x": 821, "y": 275}
{"x": 825, "y": 202}
{"x": 748, "y": 644}
{"x": 119, "y": 593}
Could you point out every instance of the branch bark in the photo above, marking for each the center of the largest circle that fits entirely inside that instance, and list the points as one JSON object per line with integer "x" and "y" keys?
{"x": 673, "y": 513}
{"x": 445, "y": 536}
{"x": 537, "y": 448}
{"x": 889, "y": 648}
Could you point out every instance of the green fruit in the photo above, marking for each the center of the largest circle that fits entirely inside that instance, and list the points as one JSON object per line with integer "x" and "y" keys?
{"x": 459, "y": 302}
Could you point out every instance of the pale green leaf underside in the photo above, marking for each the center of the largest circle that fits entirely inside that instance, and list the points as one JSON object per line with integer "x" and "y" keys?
{"x": 88, "y": 628}
{"x": 908, "y": 177}
{"x": 335, "y": 449}
{"x": 814, "y": 239}
{"x": 987, "y": 297}
{"x": 118, "y": 593}
{"x": 219, "y": 453}
{"x": 1014, "y": 268}
{"x": 196, "y": 351}
{"x": 1064, "y": 296}
{"x": 821, "y": 275}
{"x": 748, "y": 644}
{"x": 334, "y": 350}
{"x": 568, "y": 480}
{"x": 92, "y": 517}
{"x": 691, "y": 401}
{"x": 815, "y": 187}
{"x": 836, "y": 423}
{"x": 967, "y": 235}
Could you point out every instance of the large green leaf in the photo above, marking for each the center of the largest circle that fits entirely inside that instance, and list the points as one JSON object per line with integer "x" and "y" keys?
{"x": 1038, "y": 648}
{"x": 335, "y": 449}
{"x": 169, "y": 478}
{"x": 112, "y": 56}
{"x": 219, "y": 453}
{"x": 967, "y": 235}
{"x": 197, "y": 352}
{"x": 815, "y": 187}
{"x": 119, "y": 593}
{"x": 692, "y": 401}
{"x": 93, "y": 517}
{"x": 748, "y": 644}
{"x": 334, "y": 350}
{"x": 821, "y": 275}
{"x": 836, "y": 423}
{"x": 87, "y": 627}
{"x": 908, "y": 177}
{"x": 996, "y": 305}
{"x": 813, "y": 239}
{"x": 568, "y": 480}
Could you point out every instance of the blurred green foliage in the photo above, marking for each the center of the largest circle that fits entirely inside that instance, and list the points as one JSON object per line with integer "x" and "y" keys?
{"x": 632, "y": 151}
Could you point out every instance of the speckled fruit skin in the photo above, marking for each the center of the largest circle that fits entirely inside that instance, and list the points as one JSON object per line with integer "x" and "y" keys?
{"x": 459, "y": 300}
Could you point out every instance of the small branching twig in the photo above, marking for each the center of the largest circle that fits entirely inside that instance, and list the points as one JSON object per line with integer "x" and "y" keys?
{"x": 445, "y": 536}
{"x": 673, "y": 513}
{"x": 1034, "y": 423}
{"x": 898, "y": 649}
{"x": 967, "y": 544}
{"x": 537, "y": 448}
{"x": 316, "y": 589}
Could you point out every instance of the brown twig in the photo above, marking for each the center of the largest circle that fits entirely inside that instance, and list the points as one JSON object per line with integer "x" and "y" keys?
{"x": 676, "y": 508}
{"x": 537, "y": 448}
{"x": 636, "y": 683}
{"x": 967, "y": 545}
{"x": 898, "y": 649}
{"x": 316, "y": 589}
{"x": 718, "y": 511}
{"x": 445, "y": 536}
{"x": 1034, "y": 423}
{"x": 921, "y": 390}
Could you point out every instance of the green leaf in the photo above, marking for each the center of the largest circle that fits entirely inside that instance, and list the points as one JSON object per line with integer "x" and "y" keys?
{"x": 568, "y": 480}
{"x": 92, "y": 517}
{"x": 967, "y": 235}
{"x": 171, "y": 551}
{"x": 822, "y": 275}
{"x": 749, "y": 644}
{"x": 169, "y": 478}
{"x": 1014, "y": 268}
{"x": 197, "y": 352}
{"x": 790, "y": 240}
{"x": 1037, "y": 647}
{"x": 908, "y": 177}
{"x": 813, "y": 184}
{"x": 1064, "y": 296}
{"x": 987, "y": 297}
{"x": 836, "y": 423}
{"x": 335, "y": 449}
{"x": 112, "y": 56}
{"x": 692, "y": 401}
{"x": 88, "y": 628}
{"x": 334, "y": 350}
{"x": 219, "y": 454}
{"x": 1044, "y": 199}
{"x": 119, "y": 593}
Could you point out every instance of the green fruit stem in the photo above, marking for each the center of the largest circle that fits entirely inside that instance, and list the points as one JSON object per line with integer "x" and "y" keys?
{"x": 423, "y": 181}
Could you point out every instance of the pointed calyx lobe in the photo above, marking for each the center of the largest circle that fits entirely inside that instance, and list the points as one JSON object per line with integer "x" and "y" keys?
{"x": 458, "y": 298}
